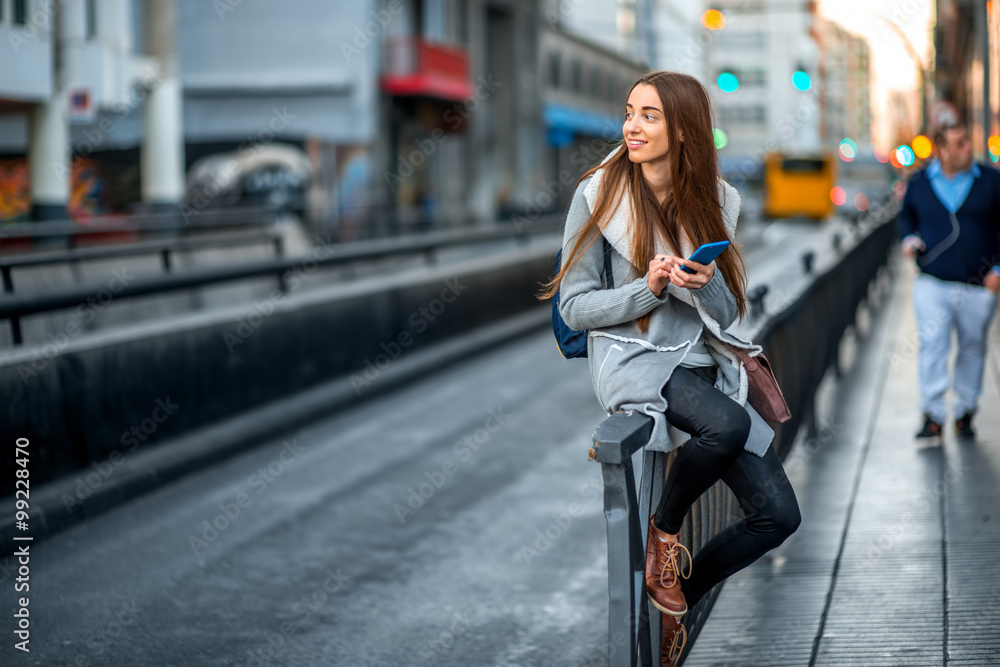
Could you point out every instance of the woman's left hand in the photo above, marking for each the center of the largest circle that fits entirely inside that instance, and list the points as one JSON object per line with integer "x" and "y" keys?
{"x": 682, "y": 278}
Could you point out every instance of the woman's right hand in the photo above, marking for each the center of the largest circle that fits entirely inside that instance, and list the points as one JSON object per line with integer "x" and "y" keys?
{"x": 659, "y": 273}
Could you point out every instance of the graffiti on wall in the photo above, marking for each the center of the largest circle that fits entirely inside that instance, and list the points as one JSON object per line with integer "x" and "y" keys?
{"x": 15, "y": 197}
{"x": 87, "y": 190}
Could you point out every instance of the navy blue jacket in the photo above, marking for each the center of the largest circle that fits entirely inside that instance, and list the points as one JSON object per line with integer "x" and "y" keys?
{"x": 968, "y": 255}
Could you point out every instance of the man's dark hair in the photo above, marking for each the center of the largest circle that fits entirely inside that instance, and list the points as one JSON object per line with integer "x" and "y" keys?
{"x": 941, "y": 136}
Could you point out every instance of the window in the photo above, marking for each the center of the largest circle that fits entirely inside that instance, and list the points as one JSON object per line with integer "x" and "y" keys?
{"x": 576, "y": 76}
{"x": 596, "y": 82}
{"x": 742, "y": 40}
{"x": 754, "y": 113}
{"x": 555, "y": 63}
{"x": 20, "y": 12}
{"x": 91, "y": 10}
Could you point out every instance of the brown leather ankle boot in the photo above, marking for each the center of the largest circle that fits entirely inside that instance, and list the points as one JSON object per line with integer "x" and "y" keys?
{"x": 673, "y": 638}
{"x": 664, "y": 571}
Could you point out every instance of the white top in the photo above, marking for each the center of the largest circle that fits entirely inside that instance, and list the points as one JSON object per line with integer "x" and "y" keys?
{"x": 698, "y": 355}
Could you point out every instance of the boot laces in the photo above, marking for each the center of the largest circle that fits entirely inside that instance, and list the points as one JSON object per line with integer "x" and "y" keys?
{"x": 677, "y": 644}
{"x": 672, "y": 562}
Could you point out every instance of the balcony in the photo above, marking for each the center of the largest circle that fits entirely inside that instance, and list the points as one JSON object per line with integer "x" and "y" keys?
{"x": 414, "y": 67}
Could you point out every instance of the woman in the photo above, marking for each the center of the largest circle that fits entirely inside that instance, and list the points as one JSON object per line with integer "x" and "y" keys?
{"x": 657, "y": 341}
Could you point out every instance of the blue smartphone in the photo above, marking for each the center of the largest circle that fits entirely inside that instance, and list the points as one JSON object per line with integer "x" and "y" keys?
{"x": 706, "y": 253}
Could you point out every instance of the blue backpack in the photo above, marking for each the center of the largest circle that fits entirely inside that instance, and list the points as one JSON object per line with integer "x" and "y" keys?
{"x": 572, "y": 343}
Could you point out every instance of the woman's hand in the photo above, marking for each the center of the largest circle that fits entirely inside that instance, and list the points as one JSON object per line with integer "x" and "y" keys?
{"x": 682, "y": 278}
{"x": 660, "y": 268}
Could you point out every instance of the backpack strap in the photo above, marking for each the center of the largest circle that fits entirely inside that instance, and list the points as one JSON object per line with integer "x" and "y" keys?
{"x": 609, "y": 278}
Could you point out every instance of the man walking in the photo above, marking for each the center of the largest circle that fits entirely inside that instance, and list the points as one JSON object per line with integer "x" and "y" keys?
{"x": 950, "y": 222}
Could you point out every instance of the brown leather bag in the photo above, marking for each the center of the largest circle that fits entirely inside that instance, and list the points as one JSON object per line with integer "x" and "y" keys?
{"x": 764, "y": 394}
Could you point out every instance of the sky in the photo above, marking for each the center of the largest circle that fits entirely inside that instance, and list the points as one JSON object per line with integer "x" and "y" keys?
{"x": 892, "y": 68}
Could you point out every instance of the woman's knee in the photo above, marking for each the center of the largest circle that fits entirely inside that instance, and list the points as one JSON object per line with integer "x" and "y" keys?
{"x": 784, "y": 517}
{"x": 730, "y": 429}
{"x": 778, "y": 515}
{"x": 788, "y": 520}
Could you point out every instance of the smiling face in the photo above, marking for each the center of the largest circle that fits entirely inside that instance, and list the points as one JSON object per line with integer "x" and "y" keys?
{"x": 645, "y": 127}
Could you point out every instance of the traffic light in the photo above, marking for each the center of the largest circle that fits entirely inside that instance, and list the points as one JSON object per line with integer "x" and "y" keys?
{"x": 727, "y": 82}
{"x": 713, "y": 19}
{"x": 801, "y": 79}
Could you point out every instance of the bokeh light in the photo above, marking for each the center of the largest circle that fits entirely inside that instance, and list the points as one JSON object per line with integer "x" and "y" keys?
{"x": 838, "y": 196}
{"x": 848, "y": 150}
{"x": 801, "y": 80}
{"x": 922, "y": 146}
{"x": 994, "y": 144}
{"x": 905, "y": 155}
{"x": 713, "y": 20}
{"x": 728, "y": 82}
{"x": 721, "y": 140}
{"x": 861, "y": 201}
{"x": 894, "y": 160}
{"x": 880, "y": 156}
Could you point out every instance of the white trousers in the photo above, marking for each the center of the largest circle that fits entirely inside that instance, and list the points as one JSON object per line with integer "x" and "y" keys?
{"x": 940, "y": 307}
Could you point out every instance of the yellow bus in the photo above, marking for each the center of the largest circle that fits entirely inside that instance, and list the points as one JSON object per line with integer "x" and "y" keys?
{"x": 799, "y": 185}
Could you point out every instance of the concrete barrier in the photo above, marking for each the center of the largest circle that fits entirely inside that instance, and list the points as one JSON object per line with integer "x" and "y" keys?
{"x": 88, "y": 403}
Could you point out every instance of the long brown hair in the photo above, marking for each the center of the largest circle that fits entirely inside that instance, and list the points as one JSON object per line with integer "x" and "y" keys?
{"x": 692, "y": 207}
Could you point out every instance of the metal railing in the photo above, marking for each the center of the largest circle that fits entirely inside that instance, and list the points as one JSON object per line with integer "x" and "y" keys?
{"x": 70, "y": 231}
{"x": 164, "y": 249}
{"x": 16, "y": 306}
{"x": 801, "y": 342}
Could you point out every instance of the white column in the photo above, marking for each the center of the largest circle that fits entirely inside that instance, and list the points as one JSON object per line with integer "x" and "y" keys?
{"x": 49, "y": 151}
{"x": 48, "y": 159}
{"x": 162, "y": 162}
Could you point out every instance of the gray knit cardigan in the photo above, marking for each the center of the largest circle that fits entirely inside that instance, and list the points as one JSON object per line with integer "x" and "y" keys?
{"x": 628, "y": 368}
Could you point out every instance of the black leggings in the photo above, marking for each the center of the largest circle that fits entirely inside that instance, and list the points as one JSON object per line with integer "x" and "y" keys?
{"x": 719, "y": 427}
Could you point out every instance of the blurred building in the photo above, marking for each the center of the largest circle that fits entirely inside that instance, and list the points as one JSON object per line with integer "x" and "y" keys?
{"x": 81, "y": 81}
{"x": 411, "y": 112}
{"x": 845, "y": 84}
{"x": 676, "y": 40}
{"x": 967, "y": 66}
{"x": 583, "y": 93}
{"x": 760, "y": 103}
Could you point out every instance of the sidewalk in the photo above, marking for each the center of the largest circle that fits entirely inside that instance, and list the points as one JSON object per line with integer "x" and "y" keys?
{"x": 897, "y": 561}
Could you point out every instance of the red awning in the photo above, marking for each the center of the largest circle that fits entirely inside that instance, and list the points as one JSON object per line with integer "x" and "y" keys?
{"x": 416, "y": 68}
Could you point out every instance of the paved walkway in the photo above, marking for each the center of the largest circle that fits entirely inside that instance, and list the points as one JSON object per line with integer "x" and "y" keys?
{"x": 897, "y": 561}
